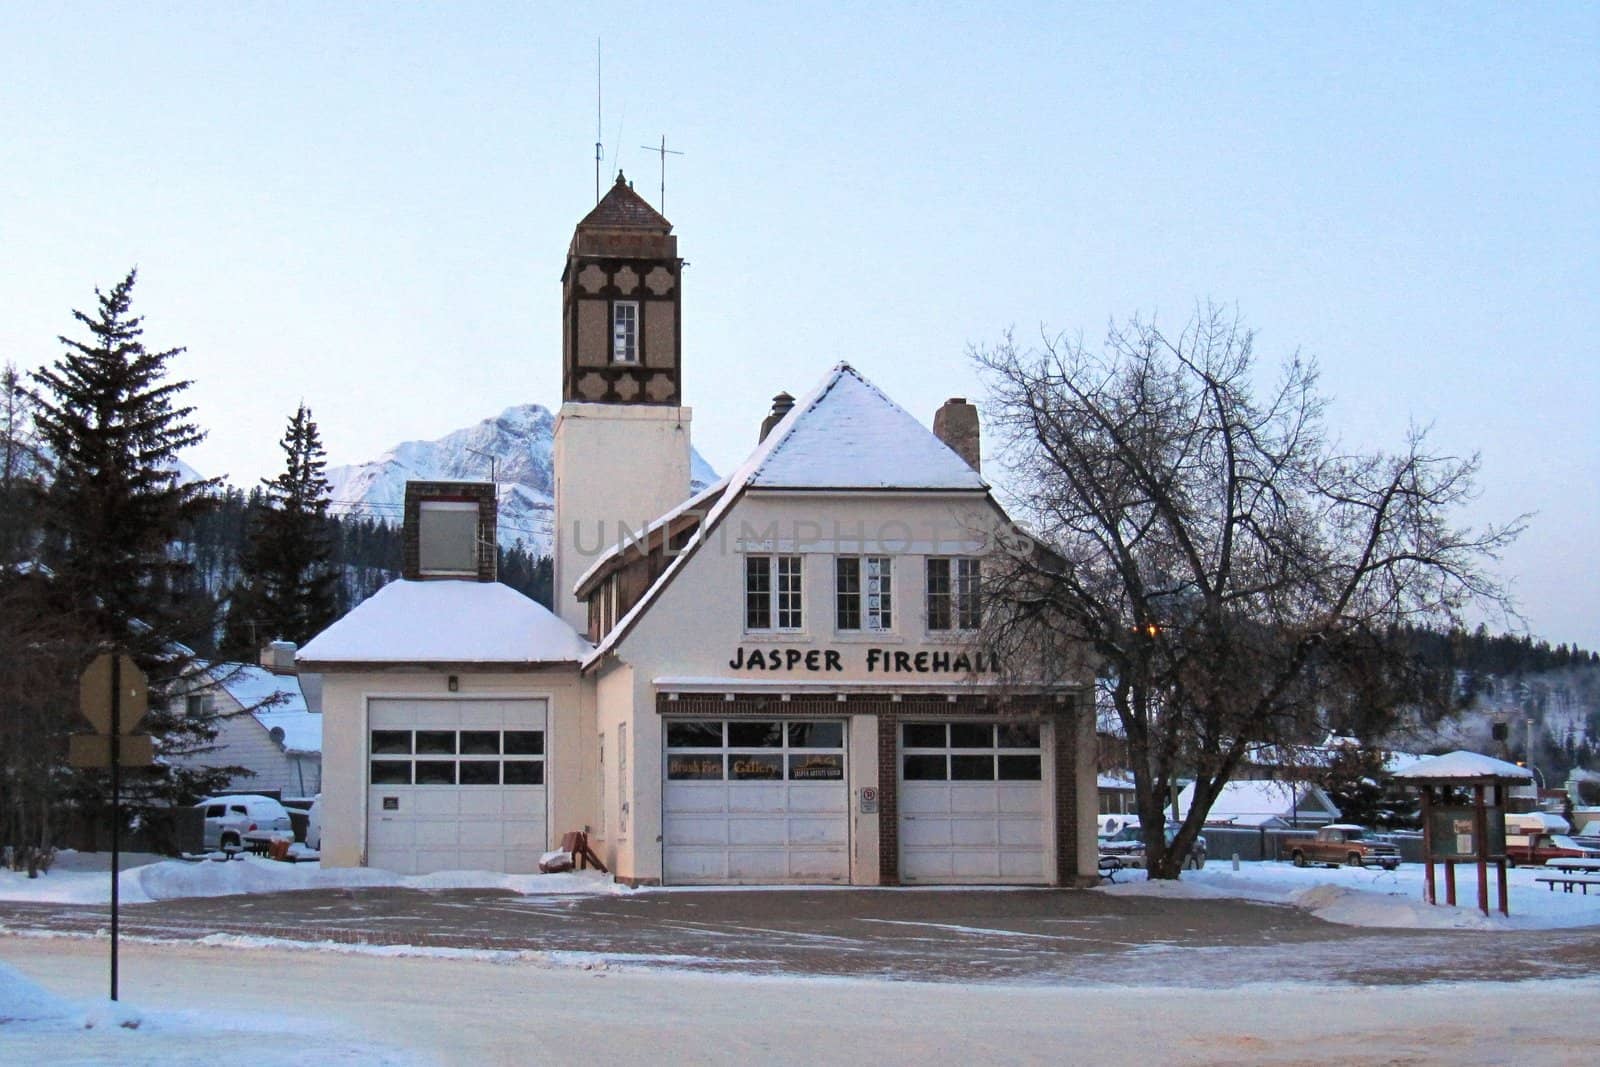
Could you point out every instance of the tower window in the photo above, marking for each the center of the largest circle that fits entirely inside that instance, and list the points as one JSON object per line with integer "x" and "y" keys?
{"x": 625, "y": 331}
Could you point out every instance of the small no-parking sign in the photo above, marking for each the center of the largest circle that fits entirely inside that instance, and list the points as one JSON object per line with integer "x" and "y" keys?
{"x": 869, "y": 800}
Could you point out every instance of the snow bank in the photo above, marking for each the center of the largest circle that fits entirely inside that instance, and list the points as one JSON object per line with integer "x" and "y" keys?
{"x": 28, "y": 1007}
{"x": 1358, "y": 896}
{"x": 174, "y": 879}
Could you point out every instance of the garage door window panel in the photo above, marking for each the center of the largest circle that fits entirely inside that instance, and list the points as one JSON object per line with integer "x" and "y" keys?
{"x": 391, "y": 742}
{"x": 755, "y": 735}
{"x": 480, "y": 742}
{"x": 524, "y": 772}
{"x": 694, "y": 767}
{"x": 391, "y": 772}
{"x": 436, "y": 772}
{"x": 748, "y": 767}
{"x": 971, "y": 735}
{"x": 694, "y": 735}
{"x": 816, "y": 735}
{"x": 816, "y": 767}
{"x": 524, "y": 742}
{"x": 480, "y": 772}
{"x": 923, "y": 735}
{"x": 1018, "y": 734}
{"x": 923, "y": 768}
{"x": 1021, "y": 768}
{"x": 972, "y": 768}
{"x": 436, "y": 742}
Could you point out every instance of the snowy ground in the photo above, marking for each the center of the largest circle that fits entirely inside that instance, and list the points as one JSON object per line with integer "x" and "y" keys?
{"x": 234, "y": 998}
{"x": 202, "y": 1005}
{"x": 1347, "y": 895}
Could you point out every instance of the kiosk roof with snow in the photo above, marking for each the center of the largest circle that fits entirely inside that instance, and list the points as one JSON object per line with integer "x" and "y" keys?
{"x": 1463, "y": 768}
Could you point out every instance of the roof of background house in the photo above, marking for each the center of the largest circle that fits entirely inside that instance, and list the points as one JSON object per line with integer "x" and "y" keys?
{"x": 273, "y": 700}
{"x": 446, "y": 622}
{"x": 1241, "y": 801}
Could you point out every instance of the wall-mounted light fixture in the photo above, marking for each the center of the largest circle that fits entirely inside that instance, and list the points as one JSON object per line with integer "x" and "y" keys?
{"x": 454, "y": 683}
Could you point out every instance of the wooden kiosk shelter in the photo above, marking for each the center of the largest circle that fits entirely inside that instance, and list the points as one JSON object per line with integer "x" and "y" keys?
{"x": 1464, "y": 818}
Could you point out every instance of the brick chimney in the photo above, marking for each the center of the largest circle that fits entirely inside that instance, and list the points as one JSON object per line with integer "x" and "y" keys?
{"x": 782, "y": 404}
{"x": 450, "y": 531}
{"x": 956, "y": 424}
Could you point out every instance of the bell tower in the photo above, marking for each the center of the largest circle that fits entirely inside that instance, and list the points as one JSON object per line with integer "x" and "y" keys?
{"x": 621, "y": 453}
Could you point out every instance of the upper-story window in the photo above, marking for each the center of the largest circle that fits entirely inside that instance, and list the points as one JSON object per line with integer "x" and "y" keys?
{"x": 447, "y": 537}
{"x": 625, "y": 331}
{"x": 953, "y": 594}
{"x": 772, "y": 593}
{"x": 864, "y": 592}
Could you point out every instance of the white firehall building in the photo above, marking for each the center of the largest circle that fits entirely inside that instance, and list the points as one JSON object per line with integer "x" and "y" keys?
{"x": 775, "y": 681}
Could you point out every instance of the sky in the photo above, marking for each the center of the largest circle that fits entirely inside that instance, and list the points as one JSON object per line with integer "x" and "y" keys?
{"x": 367, "y": 208}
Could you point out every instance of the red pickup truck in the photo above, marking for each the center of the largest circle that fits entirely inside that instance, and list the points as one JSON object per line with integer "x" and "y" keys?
{"x": 1539, "y": 847}
{"x": 1339, "y": 843}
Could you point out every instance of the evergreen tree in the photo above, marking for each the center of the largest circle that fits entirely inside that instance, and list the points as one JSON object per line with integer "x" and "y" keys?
{"x": 115, "y": 513}
{"x": 287, "y": 581}
{"x": 21, "y": 463}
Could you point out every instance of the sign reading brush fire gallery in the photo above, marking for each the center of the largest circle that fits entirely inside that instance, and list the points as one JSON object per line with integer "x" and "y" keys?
{"x": 871, "y": 660}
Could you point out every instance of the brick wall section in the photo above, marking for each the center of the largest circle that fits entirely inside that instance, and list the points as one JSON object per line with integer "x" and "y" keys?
{"x": 483, "y": 493}
{"x": 1066, "y": 729}
{"x": 889, "y": 795}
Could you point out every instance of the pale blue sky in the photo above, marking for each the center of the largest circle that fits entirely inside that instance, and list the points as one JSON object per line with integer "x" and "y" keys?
{"x": 368, "y": 207}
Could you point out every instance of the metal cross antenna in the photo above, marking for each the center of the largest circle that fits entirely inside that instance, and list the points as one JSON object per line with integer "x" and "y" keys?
{"x": 663, "y": 151}
{"x": 598, "y": 157}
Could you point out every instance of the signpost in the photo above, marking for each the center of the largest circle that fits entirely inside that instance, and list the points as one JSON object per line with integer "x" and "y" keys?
{"x": 113, "y": 694}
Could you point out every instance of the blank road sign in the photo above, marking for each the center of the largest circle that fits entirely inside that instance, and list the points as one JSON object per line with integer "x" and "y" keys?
{"x": 94, "y": 694}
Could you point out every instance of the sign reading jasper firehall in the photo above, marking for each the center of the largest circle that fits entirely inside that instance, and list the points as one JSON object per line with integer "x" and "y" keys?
{"x": 878, "y": 661}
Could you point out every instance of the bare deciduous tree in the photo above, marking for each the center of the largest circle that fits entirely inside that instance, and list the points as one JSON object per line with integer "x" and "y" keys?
{"x": 1238, "y": 579}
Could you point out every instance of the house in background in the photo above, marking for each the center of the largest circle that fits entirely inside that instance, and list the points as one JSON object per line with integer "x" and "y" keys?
{"x": 1266, "y": 804}
{"x": 263, "y": 724}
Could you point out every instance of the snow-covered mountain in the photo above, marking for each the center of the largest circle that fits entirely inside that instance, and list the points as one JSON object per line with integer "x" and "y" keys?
{"x": 520, "y": 440}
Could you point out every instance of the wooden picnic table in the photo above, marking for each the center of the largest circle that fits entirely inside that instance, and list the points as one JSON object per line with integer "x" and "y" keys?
{"x": 1575, "y": 864}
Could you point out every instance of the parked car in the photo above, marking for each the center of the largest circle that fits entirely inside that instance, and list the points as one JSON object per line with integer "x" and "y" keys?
{"x": 1127, "y": 846}
{"x": 234, "y": 821}
{"x": 1341, "y": 842}
{"x": 1539, "y": 848}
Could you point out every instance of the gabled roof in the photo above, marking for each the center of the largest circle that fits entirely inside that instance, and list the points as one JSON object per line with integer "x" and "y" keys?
{"x": 1243, "y": 802}
{"x": 848, "y": 435}
{"x": 844, "y": 434}
{"x": 685, "y": 515}
{"x": 273, "y": 700}
{"x": 623, "y": 209}
{"x": 445, "y": 622}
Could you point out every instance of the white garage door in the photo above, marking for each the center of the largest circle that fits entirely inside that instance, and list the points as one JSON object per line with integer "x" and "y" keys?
{"x": 973, "y": 803}
{"x": 456, "y": 785}
{"x": 755, "y": 802}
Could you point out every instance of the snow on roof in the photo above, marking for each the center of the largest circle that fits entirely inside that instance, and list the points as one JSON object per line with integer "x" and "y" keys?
{"x": 274, "y": 700}
{"x": 446, "y": 622}
{"x": 1243, "y": 800}
{"x": 1467, "y": 766}
{"x": 849, "y": 435}
{"x": 864, "y": 441}
{"x": 1114, "y": 780}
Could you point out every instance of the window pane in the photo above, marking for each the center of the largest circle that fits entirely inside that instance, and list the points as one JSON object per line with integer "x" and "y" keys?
{"x": 1018, "y": 734}
{"x": 625, "y": 333}
{"x": 436, "y": 742}
{"x": 972, "y": 768}
{"x": 879, "y": 589}
{"x": 758, "y": 592}
{"x": 694, "y": 735}
{"x": 480, "y": 742}
{"x": 391, "y": 742}
{"x": 922, "y": 735}
{"x": 436, "y": 772}
{"x": 447, "y": 537}
{"x": 969, "y": 616}
{"x": 1020, "y": 769}
{"x": 755, "y": 735}
{"x": 694, "y": 768}
{"x": 789, "y": 592}
{"x": 524, "y": 742}
{"x": 816, "y": 767}
{"x": 923, "y": 768}
{"x": 391, "y": 772}
{"x": 847, "y": 581}
{"x": 480, "y": 772}
{"x": 816, "y": 735}
{"x": 523, "y": 772}
{"x": 939, "y": 594}
{"x": 971, "y": 735}
{"x": 743, "y": 768}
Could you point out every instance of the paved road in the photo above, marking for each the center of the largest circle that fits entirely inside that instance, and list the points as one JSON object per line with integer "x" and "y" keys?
{"x": 1026, "y": 936}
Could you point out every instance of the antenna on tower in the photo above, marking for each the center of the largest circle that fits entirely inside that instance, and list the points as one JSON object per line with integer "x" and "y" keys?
{"x": 598, "y": 155}
{"x": 663, "y": 151}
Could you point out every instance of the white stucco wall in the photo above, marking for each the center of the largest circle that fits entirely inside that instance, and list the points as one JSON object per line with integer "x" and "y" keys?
{"x": 612, "y": 463}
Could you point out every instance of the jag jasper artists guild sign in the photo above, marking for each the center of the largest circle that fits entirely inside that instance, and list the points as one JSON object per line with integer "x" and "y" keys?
{"x": 878, "y": 661}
